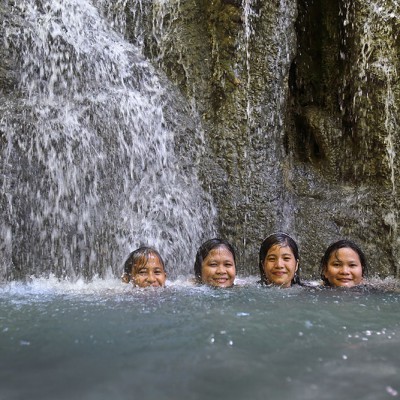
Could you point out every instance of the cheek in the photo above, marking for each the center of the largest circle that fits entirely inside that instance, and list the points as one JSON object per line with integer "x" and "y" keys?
{"x": 359, "y": 272}
{"x": 266, "y": 267}
{"x": 325, "y": 273}
{"x": 205, "y": 272}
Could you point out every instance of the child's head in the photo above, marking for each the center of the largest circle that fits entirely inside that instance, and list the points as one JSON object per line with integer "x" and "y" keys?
{"x": 145, "y": 267}
{"x": 279, "y": 260}
{"x": 215, "y": 263}
{"x": 343, "y": 264}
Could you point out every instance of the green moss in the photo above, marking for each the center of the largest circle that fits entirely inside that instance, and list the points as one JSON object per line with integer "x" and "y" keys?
{"x": 223, "y": 24}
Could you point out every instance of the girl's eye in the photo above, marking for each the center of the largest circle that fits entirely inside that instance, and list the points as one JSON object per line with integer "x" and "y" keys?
{"x": 142, "y": 272}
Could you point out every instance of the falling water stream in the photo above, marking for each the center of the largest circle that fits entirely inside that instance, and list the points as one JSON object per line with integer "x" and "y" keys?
{"x": 91, "y": 169}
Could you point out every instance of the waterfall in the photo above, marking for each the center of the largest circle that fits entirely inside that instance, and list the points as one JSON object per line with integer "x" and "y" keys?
{"x": 248, "y": 13}
{"x": 95, "y": 157}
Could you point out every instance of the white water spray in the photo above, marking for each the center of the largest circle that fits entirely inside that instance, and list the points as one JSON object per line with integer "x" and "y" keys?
{"x": 90, "y": 164}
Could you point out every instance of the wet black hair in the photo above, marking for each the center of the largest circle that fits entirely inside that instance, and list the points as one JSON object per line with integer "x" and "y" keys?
{"x": 341, "y": 244}
{"x": 281, "y": 239}
{"x": 139, "y": 257}
{"x": 205, "y": 249}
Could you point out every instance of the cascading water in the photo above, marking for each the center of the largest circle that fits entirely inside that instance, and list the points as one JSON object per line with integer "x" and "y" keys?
{"x": 92, "y": 150}
{"x": 248, "y": 13}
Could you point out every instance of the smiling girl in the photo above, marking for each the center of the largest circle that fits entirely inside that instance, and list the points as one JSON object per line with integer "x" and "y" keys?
{"x": 279, "y": 260}
{"x": 145, "y": 268}
{"x": 343, "y": 264}
{"x": 215, "y": 264}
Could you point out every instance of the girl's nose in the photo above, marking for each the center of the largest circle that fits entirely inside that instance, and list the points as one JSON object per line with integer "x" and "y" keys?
{"x": 220, "y": 269}
{"x": 280, "y": 263}
{"x": 151, "y": 278}
{"x": 344, "y": 270}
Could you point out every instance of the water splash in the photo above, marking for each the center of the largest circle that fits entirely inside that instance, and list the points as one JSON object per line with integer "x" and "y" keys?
{"x": 248, "y": 14}
{"x": 91, "y": 163}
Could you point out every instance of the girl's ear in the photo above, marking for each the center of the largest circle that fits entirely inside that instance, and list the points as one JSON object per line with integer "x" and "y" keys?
{"x": 125, "y": 278}
{"x": 297, "y": 266}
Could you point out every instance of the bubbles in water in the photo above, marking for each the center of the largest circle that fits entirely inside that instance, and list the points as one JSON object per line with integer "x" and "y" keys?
{"x": 391, "y": 391}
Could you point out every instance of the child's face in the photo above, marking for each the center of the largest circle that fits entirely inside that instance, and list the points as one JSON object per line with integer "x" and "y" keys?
{"x": 218, "y": 268}
{"x": 344, "y": 268}
{"x": 280, "y": 265}
{"x": 150, "y": 274}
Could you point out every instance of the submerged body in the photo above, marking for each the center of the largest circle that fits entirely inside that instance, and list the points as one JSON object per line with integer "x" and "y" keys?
{"x": 103, "y": 340}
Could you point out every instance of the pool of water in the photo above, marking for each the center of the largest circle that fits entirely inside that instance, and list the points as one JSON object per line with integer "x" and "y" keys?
{"x": 103, "y": 340}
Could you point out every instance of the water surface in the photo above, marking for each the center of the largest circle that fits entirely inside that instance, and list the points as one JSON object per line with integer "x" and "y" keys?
{"x": 104, "y": 340}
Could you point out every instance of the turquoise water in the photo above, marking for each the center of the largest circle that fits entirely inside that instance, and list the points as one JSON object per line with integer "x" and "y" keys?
{"x": 105, "y": 340}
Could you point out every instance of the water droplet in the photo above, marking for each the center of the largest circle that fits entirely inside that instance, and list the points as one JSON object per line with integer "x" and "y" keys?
{"x": 391, "y": 391}
{"x": 242, "y": 314}
{"x": 308, "y": 324}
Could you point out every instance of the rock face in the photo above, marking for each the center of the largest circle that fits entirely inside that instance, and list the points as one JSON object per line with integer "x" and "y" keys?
{"x": 300, "y": 111}
{"x": 298, "y": 102}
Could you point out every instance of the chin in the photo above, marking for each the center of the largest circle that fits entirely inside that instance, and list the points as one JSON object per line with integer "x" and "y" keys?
{"x": 346, "y": 284}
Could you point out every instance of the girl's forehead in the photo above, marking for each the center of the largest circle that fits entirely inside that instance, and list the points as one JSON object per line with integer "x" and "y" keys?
{"x": 219, "y": 251}
{"x": 150, "y": 258}
{"x": 345, "y": 252}
{"x": 280, "y": 248}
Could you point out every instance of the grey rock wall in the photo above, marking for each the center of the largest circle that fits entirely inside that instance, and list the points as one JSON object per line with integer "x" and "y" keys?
{"x": 300, "y": 111}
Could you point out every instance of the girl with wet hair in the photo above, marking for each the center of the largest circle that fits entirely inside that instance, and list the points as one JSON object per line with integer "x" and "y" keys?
{"x": 343, "y": 264}
{"x": 144, "y": 267}
{"x": 279, "y": 261}
{"x": 215, "y": 263}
